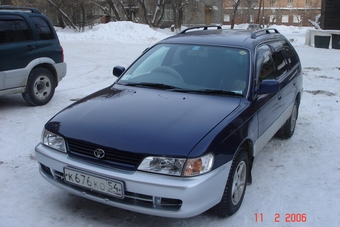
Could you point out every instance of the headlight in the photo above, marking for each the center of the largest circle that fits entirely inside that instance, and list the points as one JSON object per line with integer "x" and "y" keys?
{"x": 54, "y": 141}
{"x": 177, "y": 166}
{"x": 163, "y": 165}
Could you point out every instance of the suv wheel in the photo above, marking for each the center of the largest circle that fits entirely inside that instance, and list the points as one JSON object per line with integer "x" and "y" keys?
{"x": 236, "y": 186}
{"x": 40, "y": 87}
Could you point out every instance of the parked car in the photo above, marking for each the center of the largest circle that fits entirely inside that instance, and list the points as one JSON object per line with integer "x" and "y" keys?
{"x": 31, "y": 58}
{"x": 178, "y": 132}
{"x": 254, "y": 27}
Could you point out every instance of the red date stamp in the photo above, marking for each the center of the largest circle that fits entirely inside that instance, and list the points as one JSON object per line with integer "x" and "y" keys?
{"x": 289, "y": 217}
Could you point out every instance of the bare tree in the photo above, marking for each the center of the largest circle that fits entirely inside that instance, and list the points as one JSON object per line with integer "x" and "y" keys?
{"x": 236, "y": 4}
{"x": 122, "y": 10}
{"x": 250, "y": 6}
{"x": 115, "y": 9}
{"x": 61, "y": 13}
{"x": 157, "y": 15}
{"x": 103, "y": 8}
{"x": 178, "y": 9}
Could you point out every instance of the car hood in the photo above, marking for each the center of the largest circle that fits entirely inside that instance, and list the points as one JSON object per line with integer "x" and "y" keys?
{"x": 142, "y": 120}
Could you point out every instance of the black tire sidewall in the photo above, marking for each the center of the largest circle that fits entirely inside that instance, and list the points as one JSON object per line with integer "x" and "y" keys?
{"x": 296, "y": 106}
{"x": 29, "y": 95}
{"x": 242, "y": 156}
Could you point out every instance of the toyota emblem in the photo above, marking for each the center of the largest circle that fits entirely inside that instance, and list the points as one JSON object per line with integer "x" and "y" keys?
{"x": 99, "y": 153}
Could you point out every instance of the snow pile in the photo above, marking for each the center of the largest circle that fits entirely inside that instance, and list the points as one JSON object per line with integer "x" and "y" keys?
{"x": 120, "y": 32}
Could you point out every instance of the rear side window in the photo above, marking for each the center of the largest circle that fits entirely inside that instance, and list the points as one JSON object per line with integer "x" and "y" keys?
{"x": 292, "y": 56}
{"x": 44, "y": 30}
{"x": 14, "y": 31}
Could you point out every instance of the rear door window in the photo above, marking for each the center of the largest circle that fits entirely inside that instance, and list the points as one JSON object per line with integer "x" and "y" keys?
{"x": 292, "y": 56}
{"x": 14, "y": 30}
{"x": 280, "y": 62}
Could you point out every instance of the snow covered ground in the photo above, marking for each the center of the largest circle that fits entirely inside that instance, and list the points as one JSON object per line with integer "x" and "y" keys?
{"x": 292, "y": 179}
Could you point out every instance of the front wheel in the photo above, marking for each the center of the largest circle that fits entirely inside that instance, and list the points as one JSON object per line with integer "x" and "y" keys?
{"x": 40, "y": 87}
{"x": 236, "y": 186}
{"x": 287, "y": 130}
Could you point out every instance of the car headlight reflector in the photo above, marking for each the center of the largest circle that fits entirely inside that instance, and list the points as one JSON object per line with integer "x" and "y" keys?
{"x": 175, "y": 166}
{"x": 163, "y": 165}
{"x": 54, "y": 141}
{"x": 197, "y": 166}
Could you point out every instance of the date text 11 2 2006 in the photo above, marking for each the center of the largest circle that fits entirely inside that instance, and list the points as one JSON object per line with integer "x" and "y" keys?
{"x": 289, "y": 217}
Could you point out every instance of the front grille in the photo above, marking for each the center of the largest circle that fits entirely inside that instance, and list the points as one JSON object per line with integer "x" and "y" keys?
{"x": 113, "y": 157}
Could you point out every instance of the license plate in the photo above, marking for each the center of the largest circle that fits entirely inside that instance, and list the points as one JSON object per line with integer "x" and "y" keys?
{"x": 107, "y": 186}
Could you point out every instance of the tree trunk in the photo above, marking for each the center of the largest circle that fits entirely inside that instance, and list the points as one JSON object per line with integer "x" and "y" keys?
{"x": 127, "y": 14}
{"x": 107, "y": 12}
{"x": 178, "y": 8}
{"x": 61, "y": 21}
{"x": 83, "y": 12}
{"x": 145, "y": 12}
{"x": 115, "y": 9}
{"x": 237, "y": 3}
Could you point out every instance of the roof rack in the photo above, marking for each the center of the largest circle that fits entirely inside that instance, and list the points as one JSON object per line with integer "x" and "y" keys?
{"x": 205, "y": 27}
{"x": 19, "y": 9}
{"x": 264, "y": 31}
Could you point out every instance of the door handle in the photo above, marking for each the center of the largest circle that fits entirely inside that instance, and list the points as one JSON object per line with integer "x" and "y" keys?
{"x": 279, "y": 98}
{"x": 30, "y": 48}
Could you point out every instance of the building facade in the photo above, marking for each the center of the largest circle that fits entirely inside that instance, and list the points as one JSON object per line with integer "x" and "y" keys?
{"x": 266, "y": 12}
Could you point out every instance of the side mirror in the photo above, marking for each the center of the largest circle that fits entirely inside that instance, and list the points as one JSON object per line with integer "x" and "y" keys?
{"x": 118, "y": 70}
{"x": 269, "y": 86}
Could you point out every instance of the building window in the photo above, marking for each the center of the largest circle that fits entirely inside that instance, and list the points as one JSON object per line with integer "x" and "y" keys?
{"x": 272, "y": 19}
{"x": 296, "y": 18}
{"x": 251, "y": 18}
{"x": 226, "y": 17}
{"x": 289, "y": 2}
{"x": 285, "y": 19}
{"x": 272, "y": 2}
{"x": 308, "y": 2}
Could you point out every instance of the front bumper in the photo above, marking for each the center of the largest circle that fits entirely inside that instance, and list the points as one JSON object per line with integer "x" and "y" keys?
{"x": 148, "y": 193}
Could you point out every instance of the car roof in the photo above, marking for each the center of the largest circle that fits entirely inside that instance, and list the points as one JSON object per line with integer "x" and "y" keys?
{"x": 241, "y": 38}
{"x": 18, "y": 9}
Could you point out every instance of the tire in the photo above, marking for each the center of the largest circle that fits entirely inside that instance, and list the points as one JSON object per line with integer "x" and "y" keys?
{"x": 287, "y": 130}
{"x": 236, "y": 186}
{"x": 40, "y": 87}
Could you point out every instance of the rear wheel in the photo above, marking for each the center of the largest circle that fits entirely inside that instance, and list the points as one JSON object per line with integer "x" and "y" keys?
{"x": 236, "y": 186}
{"x": 40, "y": 87}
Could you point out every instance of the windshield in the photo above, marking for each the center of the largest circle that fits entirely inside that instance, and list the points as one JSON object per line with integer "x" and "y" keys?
{"x": 183, "y": 67}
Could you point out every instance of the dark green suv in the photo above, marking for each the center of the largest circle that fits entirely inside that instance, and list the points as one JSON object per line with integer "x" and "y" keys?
{"x": 31, "y": 58}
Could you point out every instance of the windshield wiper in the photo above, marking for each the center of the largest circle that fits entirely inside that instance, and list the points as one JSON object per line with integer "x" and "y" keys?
{"x": 147, "y": 84}
{"x": 220, "y": 92}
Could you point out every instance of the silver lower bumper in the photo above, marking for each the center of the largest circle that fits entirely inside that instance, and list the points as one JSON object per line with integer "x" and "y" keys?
{"x": 147, "y": 193}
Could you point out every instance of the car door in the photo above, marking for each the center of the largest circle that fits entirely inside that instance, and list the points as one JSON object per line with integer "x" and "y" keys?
{"x": 269, "y": 106}
{"x": 17, "y": 50}
{"x": 289, "y": 78}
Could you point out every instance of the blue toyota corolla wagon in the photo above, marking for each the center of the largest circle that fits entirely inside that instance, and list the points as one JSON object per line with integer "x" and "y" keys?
{"x": 178, "y": 132}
